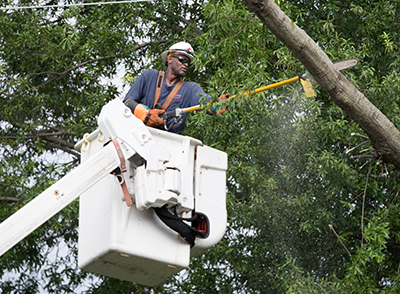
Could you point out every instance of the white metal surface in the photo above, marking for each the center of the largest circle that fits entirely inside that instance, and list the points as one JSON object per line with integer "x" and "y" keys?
{"x": 131, "y": 243}
{"x": 170, "y": 182}
{"x": 210, "y": 194}
{"x": 117, "y": 121}
{"x": 123, "y": 242}
{"x": 56, "y": 197}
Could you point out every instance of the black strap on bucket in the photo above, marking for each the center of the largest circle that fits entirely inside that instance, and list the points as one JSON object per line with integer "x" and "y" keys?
{"x": 176, "y": 223}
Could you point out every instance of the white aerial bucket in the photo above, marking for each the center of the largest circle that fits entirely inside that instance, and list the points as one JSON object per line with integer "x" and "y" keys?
{"x": 132, "y": 243}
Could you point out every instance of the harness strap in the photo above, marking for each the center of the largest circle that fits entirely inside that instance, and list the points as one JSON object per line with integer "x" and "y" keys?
{"x": 119, "y": 171}
{"x": 171, "y": 95}
{"x": 160, "y": 81}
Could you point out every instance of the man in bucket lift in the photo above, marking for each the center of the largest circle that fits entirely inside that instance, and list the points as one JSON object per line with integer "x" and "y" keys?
{"x": 155, "y": 92}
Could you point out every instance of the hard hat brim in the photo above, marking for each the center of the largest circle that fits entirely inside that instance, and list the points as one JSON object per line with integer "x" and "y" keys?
{"x": 164, "y": 56}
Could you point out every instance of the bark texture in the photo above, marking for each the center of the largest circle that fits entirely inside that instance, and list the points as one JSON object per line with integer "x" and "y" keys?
{"x": 382, "y": 133}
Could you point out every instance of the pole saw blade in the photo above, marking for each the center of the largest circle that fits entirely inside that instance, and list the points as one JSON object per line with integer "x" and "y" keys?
{"x": 345, "y": 64}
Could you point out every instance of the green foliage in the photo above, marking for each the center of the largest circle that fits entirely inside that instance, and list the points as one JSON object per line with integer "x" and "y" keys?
{"x": 292, "y": 171}
{"x": 310, "y": 209}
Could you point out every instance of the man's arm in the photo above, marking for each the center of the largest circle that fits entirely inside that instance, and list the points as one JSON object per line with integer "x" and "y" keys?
{"x": 134, "y": 98}
{"x": 203, "y": 98}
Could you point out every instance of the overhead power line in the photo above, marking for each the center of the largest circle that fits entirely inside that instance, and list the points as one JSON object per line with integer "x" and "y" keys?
{"x": 71, "y": 5}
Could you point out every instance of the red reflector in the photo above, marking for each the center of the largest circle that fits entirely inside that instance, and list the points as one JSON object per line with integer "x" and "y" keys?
{"x": 201, "y": 225}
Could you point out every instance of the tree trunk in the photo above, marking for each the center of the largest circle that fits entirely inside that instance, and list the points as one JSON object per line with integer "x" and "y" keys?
{"x": 382, "y": 133}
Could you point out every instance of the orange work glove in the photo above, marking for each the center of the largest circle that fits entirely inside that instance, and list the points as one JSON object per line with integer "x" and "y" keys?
{"x": 153, "y": 118}
{"x": 220, "y": 105}
{"x": 141, "y": 111}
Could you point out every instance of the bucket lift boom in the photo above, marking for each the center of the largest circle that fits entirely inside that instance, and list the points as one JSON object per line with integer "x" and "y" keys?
{"x": 56, "y": 197}
{"x": 120, "y": 235}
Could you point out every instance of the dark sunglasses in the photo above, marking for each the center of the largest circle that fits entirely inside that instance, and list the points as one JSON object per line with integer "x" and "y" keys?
{"x": 182, "y": 60}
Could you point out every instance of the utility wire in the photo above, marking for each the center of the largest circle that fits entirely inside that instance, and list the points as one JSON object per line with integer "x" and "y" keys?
{"x": 71, "y": 5}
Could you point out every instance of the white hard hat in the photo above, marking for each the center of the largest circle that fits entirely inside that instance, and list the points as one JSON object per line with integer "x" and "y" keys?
{"x": 180, "y": 48}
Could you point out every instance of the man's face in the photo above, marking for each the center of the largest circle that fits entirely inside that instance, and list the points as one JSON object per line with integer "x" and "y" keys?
{"x": 179, "y": 64}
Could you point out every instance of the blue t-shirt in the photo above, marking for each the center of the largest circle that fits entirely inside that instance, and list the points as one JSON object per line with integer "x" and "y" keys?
{"x": 143, "y": 91}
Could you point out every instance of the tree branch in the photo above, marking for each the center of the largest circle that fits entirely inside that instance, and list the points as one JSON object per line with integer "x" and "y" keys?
{"x": 65, "y": 149}
{"x": 341, "y": 242}
{"x": 11, "y": 199}
{"x": 363, "y": 206}
{"x": 198, "y": 31}
{"x": 51, "y": 138}
{"x": 61, "y": 74}
{"x": 177, "y": 28}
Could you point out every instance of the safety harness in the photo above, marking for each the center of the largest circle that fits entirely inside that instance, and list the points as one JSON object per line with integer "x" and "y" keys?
{"x": 171, "y": 95}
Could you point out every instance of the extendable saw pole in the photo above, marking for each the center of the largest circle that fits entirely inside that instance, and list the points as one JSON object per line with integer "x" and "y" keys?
{"x": 303, "y": 78}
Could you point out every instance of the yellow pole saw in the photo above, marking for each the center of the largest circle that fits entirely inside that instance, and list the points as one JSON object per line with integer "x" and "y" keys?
{"x": 303, "y": 78}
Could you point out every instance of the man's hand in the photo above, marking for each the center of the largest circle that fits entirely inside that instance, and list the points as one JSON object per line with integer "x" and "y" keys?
{"x": 221, "y": 104}
{"x": 224, "y": 97}
{"x": 150, "y": 118}
{"x": 154, "y": 119}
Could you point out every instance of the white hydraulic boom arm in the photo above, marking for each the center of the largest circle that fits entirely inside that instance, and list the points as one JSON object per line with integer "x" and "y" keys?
{"x": 59, "y": 195}
{"x": 56, "y": 197}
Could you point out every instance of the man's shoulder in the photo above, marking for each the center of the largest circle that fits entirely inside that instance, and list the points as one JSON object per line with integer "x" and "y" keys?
{"x": 192, "y": 84}
{"x": 150, "y": 72}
